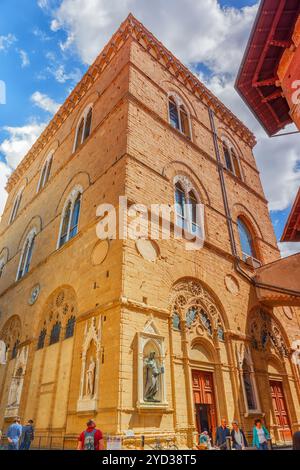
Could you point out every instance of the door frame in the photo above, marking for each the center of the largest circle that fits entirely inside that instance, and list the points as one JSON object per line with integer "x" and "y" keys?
{"x": 211, "y": 371}
{"x": 279, "y": 380}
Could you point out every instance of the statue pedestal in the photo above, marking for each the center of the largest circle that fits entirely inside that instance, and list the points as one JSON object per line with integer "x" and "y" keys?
{"x": 87, "y": 404}
{"x": 11, "y": 411}
{"x": 151, "y": 406}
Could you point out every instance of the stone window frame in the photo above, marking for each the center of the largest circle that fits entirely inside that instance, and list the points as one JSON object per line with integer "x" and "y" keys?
{"x": 26, "y": 254}
{"x": 69, "y": 204}
{"x": 234, "y": 156}
{"x": 180, "y": 105}
{"x": 187, "y": 219}
{"x": 16, "y": 205}
{"x": 83, "y": 121}
{"x": 45, "y": 171}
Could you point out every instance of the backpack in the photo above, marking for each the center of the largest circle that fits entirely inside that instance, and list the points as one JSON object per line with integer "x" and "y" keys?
{"x": 89, "y": 440}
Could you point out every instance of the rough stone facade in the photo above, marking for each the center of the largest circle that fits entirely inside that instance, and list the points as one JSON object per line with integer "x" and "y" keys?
{"x": 124, "y": 303}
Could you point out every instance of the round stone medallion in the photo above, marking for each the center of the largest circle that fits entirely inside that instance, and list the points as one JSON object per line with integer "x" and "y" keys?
{"x": 232, "y": 284}
{"x": 100, "y": 252}
{"x": 148, "y": 249}
{"x": 34, "y": 294}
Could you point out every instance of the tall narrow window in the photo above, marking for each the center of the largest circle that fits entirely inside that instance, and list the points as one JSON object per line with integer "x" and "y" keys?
{"x": 16, "y": 207}
{"x": 246, "y": 240}
{"x": 41, "y": 340}
{"x": 178, "y": 116}
{"x": 79, "y": 134}
{"x": 185, "y": 124}
{"x": 15, "y": 349}
{"x": 248, "y": 386}
{"x": 70, "y": 218}
{"x": 84, "y": 127}
{"x": 75, "y": 217}
{"x": 45, "y": 174}
{"x": 88, "y": 124}
{"x": 26, "y": 256}
{"x": 2, "y": 264}
{"x": 236, "y": 164}
{"x": 227, "y": 157}
{"x": 180, "y": 205}
{"x": 173, "y": 114}
{"x": 55, "y": 333}
{"x": 70, "y": 327}
{"x": 192, "y": 201}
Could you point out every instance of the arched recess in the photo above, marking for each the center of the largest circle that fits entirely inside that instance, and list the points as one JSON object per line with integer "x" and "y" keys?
{"x": 60, "y": 307}
{"x": 176, "y": 168}
{"x": 11, "y": 334}
{"x": 198, "y": 335}
{"x": 81, "y": 180}
{"x": 89, "y": 100}
{"x": 35, "y": 224}
{"x": 50, "y": 149}
{"x": 239, "y": 210}
{"x": 272, "y": 354}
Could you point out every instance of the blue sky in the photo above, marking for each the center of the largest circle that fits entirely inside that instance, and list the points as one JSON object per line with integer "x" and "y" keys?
{"x": 46, "y": 45}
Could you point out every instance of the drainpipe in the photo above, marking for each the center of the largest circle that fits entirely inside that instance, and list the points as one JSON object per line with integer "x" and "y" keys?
{"x": 237, "y": 264}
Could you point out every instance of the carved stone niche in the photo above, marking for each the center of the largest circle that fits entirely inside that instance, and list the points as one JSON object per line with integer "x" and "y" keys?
{"x": 151, "y": 369}
{"x": 90, "y": 366}
{"x": 16, "y": 385}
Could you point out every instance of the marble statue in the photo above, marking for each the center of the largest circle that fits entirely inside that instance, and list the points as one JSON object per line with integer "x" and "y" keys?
{"x": 90, "y": 378}
{"x": 153, "y": 371}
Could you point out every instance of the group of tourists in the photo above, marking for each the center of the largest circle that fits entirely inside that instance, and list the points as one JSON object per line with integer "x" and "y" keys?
{"x": 235, "y": 438}
{"x": 19, "y": 437}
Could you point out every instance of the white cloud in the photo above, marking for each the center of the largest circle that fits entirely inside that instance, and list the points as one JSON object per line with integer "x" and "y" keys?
{"x": 45, "y": 102}
{"x": 24, "y": 58}
{"x": 7, "y": 41}
{"x": 62, "y": 76}
{"x": 19, "y": 141}
{"x": 288, "y": 249}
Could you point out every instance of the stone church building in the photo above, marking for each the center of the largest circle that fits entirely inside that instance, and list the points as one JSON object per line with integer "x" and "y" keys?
{"x": 143, "y": 335}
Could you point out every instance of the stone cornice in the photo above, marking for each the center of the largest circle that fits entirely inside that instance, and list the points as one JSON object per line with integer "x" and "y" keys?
{"x": 131, "y": 27}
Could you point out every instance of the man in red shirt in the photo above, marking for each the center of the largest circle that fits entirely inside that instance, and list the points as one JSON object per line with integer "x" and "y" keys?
{"x": 91, "y": 438}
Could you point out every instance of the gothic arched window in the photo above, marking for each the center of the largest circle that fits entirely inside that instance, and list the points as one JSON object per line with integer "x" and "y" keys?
{"x": 45, "y": 173}
{"x": 178, "y": 116}
{"x": 84, "y": 127}
{"x": 176, "y": 321}
{"x": 187, "y": 208}
{"x": 16, "y": 206}
{"x": 55, "y": 333}
{"x": 70, "y": 327}
{"x": 70, "y": 218}
{"x": 246, "y": 240}
{"x": 26, "y": 255}
{"x": 42, "y": 338}
{"x": 231, "y": 158}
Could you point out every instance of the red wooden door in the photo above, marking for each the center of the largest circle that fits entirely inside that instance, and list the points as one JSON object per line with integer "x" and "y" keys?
{"x": 204, "y": 400}
{"x": 280, "y": 410}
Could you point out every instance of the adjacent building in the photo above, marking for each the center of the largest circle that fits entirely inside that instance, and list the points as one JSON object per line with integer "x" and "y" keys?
{"x": 143, "y": 335}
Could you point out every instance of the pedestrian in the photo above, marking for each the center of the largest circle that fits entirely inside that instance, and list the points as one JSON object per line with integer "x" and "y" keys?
{"x": 91, "y": 438}
{"x": 204, "y": 440}
{"x": 221, "y": 435}
{"x": 14, "y": 433}
{"x": 27, "y": 435}
{"x": 239, "y": 441}
{"x": 260, "y": 435}
{"x": 296, "y": 441}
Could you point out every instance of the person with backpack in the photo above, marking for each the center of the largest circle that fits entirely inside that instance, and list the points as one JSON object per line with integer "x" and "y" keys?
{"x": 91, "y": 438}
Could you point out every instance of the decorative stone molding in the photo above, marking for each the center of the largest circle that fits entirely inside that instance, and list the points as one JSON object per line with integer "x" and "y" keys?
{"x": 266, "y": 334}
{"x": 16, "y": 385}
{"x": 90, "y": 366}
{"x": 151, "y": 369}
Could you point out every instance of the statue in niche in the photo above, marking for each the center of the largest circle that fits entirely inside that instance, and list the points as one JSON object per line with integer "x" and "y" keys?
{"x": 15, "y": 389}
{"x": 90, "y": 378}
{"x": 153, "y": 371}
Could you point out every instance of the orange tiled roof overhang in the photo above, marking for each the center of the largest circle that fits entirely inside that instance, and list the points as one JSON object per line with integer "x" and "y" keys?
{"x": 291, "y": 231}
{"x": 256, "y": 82}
